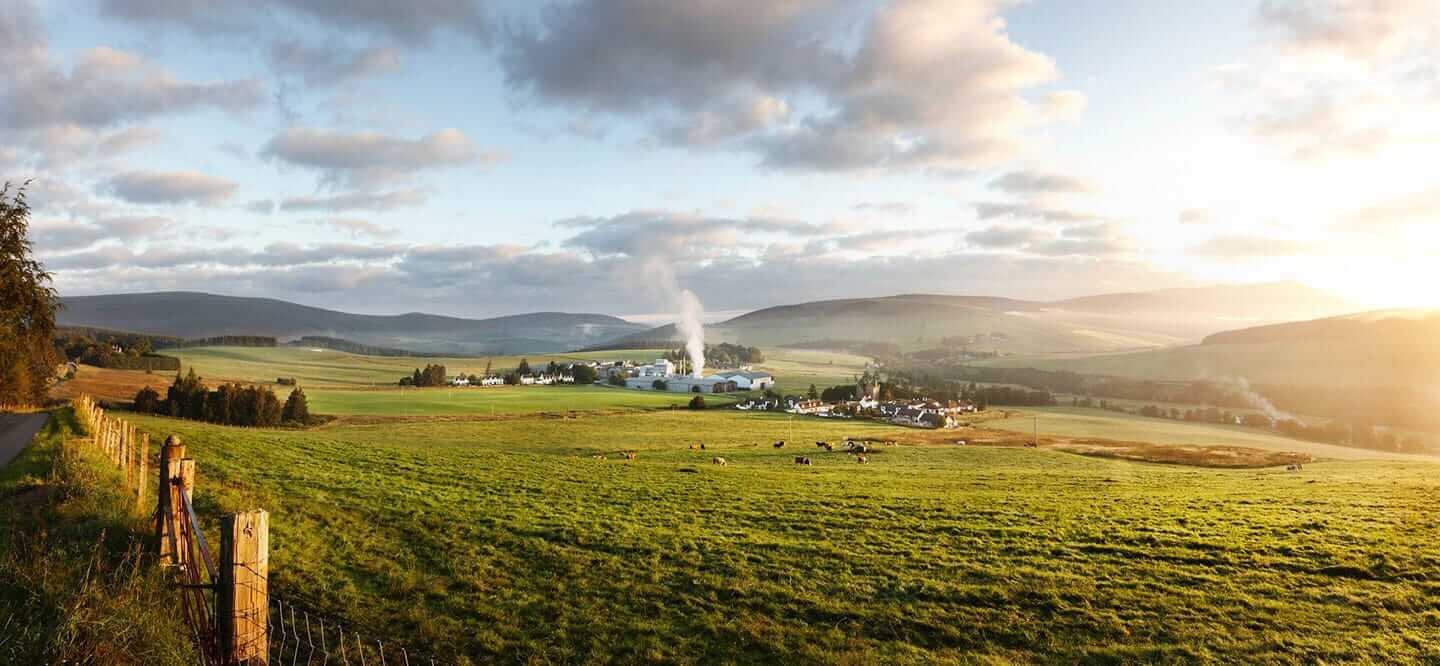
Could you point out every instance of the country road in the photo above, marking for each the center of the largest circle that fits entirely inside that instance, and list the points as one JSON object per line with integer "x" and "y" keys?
{"x": 16, "y": 431}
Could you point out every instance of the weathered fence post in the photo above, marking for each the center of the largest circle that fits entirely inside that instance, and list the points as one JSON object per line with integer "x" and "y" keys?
{"x": 169, "y": 466}
{"x": 242, "y": 603}
{"x": 141, "y": 471}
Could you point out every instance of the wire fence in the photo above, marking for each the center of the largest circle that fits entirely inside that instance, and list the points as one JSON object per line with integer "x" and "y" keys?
{"x": 301, "y": 636}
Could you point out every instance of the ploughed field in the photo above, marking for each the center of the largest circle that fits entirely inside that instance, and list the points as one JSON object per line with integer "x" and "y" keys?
{"x": 504, "y": 539}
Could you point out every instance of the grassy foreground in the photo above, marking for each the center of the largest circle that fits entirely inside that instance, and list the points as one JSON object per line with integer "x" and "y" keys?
{"x": 504, "y": 540}
{"x": 78, "y": 580}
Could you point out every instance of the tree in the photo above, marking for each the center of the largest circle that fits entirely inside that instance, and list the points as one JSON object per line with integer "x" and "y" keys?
{"x": 147, "y": 401}
{"x": 27, "y": 308}
{"x": 524, "y": 368}
{"x": 297, "y": 408}
{"x": 812, "y": 394}
{"x": 583, "y": 374}
{"x": 697, "y": 402}
{"x": 617, "y": 378}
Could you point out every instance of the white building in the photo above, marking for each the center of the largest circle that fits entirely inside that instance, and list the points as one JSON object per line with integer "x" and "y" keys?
{"x": 460, "y": 381}
{"x": 660, "y": 369}
{"x": 747, "y": 380}
{"x": 493, "y": 380}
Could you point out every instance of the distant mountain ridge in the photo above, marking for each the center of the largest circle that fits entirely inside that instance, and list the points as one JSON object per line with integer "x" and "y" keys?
{"x": 1106, "y": 322}
{"x": 199, "y": 315}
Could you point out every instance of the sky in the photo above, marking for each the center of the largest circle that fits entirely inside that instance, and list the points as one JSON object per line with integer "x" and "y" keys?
{"x": 482, "y": 158}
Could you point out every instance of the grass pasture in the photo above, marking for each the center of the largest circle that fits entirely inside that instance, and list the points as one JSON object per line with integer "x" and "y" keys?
{"x": 494, "y": 400}
{"x": 335, "y": 369}
{"x": 1098, "y": 423}
{"x": 503, "y": 540}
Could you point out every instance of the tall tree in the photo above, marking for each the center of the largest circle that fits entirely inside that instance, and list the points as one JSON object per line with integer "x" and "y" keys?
{"x": 27, "y": 307}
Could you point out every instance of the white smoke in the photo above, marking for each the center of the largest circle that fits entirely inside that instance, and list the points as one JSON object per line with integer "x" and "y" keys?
{"x": 694, "y": 332}
{"x": 1259, "y": 401}
{"x": 665, "y": 287}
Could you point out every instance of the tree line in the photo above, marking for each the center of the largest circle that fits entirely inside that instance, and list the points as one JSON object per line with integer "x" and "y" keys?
{"x": 229, "y": 404}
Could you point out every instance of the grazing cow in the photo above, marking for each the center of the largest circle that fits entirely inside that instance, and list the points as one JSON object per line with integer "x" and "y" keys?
{"x": 780, "y": 444}
{"x": 599, "y": 456}
{"x": 702, "y": 446}
{"x": 628, "y": 455}
{"x": 889, "y": 442}
{"x": 860, "y": 448}
{"x": 829, "y": 446}
{"x": 802, "y": 460}
{"x": 694, "y": 447}
{"x": 1292, "y": 467}
{"x": 717, "y": 460}
{"x": 1029, "y": 445}
{"x": 862, "y": 459}
{"x": 821, "y": 445}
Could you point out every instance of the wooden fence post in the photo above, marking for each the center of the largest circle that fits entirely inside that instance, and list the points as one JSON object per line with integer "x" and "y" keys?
{"x": 242, "y": 603}
{"x": 141, "y": 471}
{"x": 169, "y": 469}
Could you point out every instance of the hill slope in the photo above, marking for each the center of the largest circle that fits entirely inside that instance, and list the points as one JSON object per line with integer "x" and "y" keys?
{"x": 1102, "y": 323}
{"x": 196, "y": 315}
{"x": 1389, "y": 349}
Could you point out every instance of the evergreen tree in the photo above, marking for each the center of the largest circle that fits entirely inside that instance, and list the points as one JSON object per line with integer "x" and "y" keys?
{"x": 297, "y": 409}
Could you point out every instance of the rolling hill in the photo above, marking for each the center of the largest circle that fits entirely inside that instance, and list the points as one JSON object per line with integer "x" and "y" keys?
{"x": 1103, "y": 323}
{"x": 1376, "y": 349}
{"x": 198, "y": 315}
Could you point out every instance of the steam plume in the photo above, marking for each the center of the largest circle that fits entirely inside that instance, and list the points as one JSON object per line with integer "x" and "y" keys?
{"x": 694, "y": 332}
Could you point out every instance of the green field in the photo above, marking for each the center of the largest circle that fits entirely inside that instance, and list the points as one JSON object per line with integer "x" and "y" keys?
{"x": 325, "y": 368}
{"x": 503, "y": 540}
{"x": 495, "y": 400}
{"x": 1090, "y": 422}
{"x": 796, "y": 369}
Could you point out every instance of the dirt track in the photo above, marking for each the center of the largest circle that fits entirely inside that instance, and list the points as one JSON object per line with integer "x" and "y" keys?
{"x": 16, "y": 431}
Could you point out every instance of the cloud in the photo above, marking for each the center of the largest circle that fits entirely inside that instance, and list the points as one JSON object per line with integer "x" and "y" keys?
{"x": 1245, "y": 247}
{"x": 1415, "y": 208}
{"x": 334, "y": 63}
{"x": 886, "y": 207}
{"x": 353, "y": 226}
{"x": 676, "y": 235}
{"x": 163, "y": 187}
{"x": 1194, "y": 216}
{"x": 261, "y": 206}
{"x": 1032, "y": 212}
{"x": 1341, "y": 79}
{"x": 129, "y": 139}
{"x": 926, "y": 83}
{"x": 347, "y": 201}
{"x": 107, "y": 87}
{"x": 998, "y": 237}
{"x": 414, "y": 22}
{"x": 1038, "y": 182}
{"x": 371, "y": 157}
{"x": 70, "y": 235}
{"x": 1357, "y": 29}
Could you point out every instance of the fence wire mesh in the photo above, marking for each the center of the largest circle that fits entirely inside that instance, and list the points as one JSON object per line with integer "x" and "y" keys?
{"x": 301, "y": 636}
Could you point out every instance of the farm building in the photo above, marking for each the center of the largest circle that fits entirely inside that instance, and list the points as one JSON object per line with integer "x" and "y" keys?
{"x": 694, "y": 385}
{"x": 747, "y": 380}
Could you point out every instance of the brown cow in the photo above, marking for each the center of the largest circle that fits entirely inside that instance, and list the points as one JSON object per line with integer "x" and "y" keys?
{"x": 780, "y": 444}
{"x": 829, "y": 446}
{"x": 628, "y": 455}
{"x": 802, "y": 460}
{"x": 821, "y": 445}
{"x": 862, "y": 459}
{"x": 717, "y": 460}
{"x": 694, "y": 448}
